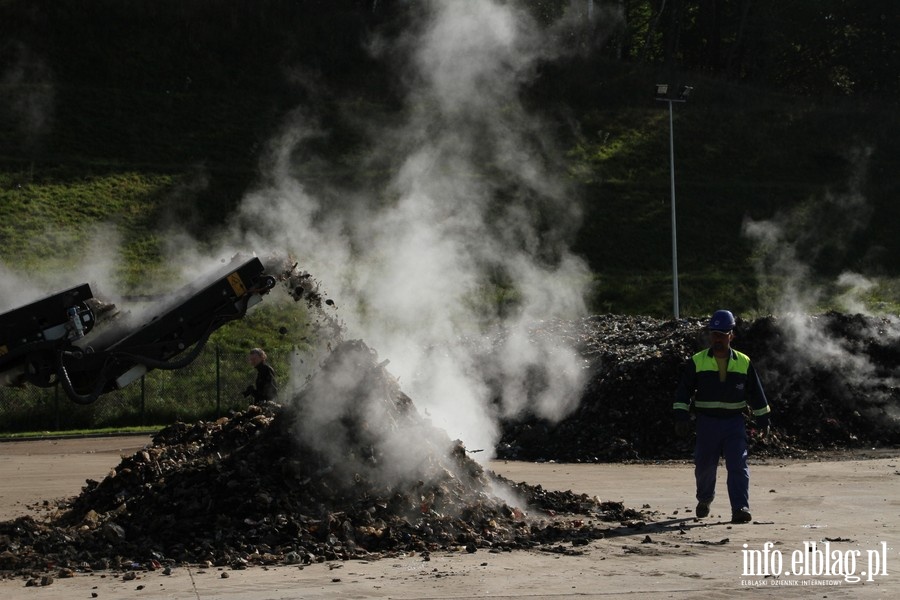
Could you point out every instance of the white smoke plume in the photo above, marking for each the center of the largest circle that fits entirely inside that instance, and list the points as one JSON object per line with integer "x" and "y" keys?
{"x": 98, "y": 267}
{"x": 790, "y": 243}
{"x": 29, "y": 97}
{"x": 786, "y": 247}
{"x": 853, "y": 288}
{"x": 412, "y": 266}
{"x": 17, "y": 289}
{"x": 457, "y": 268}
{"x": 34, "y": 101}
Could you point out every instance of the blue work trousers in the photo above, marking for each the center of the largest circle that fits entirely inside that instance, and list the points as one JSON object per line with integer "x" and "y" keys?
{"x": 722, "y": 437}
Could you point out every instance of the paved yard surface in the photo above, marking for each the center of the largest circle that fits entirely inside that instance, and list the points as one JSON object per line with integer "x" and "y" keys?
{"x": 843, "y": 513}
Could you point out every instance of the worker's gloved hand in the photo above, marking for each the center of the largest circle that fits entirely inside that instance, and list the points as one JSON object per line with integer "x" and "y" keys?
{"x": 682, "y": 428}
{"x": 248, "y": 391}
{"x": 762, "y": 424}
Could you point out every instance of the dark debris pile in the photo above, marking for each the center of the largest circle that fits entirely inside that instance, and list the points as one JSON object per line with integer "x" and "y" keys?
{"x": 831, "y": 379}
{"x": 294, "y": 485}
{"x": 247, "y": 490}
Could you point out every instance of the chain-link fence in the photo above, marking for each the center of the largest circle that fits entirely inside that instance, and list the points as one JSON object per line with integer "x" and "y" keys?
{"x": 208, "y": 388}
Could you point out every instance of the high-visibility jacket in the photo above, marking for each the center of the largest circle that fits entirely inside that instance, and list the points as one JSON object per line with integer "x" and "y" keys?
{"x": 701, "y": 390}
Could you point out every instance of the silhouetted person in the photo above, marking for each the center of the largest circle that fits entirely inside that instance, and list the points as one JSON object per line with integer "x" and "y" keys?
{"x": 266, "y": 387}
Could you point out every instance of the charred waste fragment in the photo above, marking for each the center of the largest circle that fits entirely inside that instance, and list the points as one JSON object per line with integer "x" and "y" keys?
{"x": 247, "y": 490}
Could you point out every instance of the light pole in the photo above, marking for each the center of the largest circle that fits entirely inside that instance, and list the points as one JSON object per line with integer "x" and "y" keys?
{"x": 662, "y": 94}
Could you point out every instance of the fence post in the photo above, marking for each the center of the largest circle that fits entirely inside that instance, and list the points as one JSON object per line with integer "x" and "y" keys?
{"x": 218, "y": 386}
{"x": 56, "y": 404}
{"x": 143, "y": 399}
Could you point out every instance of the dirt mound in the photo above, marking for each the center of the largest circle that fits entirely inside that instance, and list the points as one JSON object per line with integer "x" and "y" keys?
{"x": 831, "y": 381}
{"x": 350, "y": 470}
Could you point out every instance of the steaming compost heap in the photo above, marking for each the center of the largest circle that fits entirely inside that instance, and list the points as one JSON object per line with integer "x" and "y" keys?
{"x": 251, "y": 489}
{"x": 831, "y": 380}
{"x": 350, "y": 469}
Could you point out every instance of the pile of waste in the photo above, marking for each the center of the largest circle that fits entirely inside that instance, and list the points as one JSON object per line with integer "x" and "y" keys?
{"x": 348, "y": 470}
{"x": 831, "y": 380}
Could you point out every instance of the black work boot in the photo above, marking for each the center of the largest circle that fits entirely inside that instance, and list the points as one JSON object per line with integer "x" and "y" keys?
{"x": 741, "y": 516}
{"x": 702, "y": 509}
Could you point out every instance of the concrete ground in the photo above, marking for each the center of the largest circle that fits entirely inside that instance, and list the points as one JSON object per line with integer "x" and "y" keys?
{"x": 839, "y": 513}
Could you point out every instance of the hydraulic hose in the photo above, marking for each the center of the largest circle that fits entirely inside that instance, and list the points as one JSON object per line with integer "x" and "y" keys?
{"x": 63, "y": 375}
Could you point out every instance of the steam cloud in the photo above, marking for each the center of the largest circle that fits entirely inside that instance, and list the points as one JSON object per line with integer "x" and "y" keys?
{"x": 822, "y": 229}
{"x": 98, "y": 270}
{"x": 477, "y": 198}
{"x": 786, "y": 246}
{"x": 411, "y": 273}
{"x": 33, "y": 105}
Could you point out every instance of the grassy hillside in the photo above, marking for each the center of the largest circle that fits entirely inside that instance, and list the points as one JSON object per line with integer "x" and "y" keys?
{"x": 135, "y": 141}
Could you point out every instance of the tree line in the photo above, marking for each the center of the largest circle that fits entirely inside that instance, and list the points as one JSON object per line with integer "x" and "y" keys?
{"x": 808, "y": 47}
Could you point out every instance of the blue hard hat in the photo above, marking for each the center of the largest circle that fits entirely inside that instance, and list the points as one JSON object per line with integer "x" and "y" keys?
{"x": 722, "y": 320}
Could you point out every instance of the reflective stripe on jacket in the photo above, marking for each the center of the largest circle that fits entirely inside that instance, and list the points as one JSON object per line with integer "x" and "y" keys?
{"x": 701, "y": 388}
